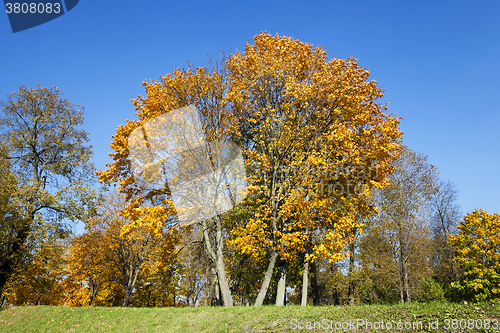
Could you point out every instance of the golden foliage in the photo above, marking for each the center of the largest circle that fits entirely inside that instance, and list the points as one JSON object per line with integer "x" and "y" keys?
{"x": 478, "y": 253}
{"x": 311, "y": 127}
{"x": 305, "y": 124}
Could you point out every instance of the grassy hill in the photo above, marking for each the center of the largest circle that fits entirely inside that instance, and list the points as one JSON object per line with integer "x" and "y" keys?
{"x": 411, "y": 318}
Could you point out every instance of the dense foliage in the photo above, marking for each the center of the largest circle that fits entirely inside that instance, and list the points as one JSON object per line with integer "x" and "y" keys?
{"x": 337, "y": 209}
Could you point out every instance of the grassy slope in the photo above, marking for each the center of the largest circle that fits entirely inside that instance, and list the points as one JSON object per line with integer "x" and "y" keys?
{"x": 237, "y": 319}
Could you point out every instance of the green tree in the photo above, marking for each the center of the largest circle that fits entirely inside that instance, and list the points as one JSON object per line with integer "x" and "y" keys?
{"x": 478, "y": 252}
{"x": 8, "y": 213}
{"x": 50, "y": 160}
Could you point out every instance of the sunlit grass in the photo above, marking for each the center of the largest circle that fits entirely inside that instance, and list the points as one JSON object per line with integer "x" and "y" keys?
{"x": 238, "y": 319}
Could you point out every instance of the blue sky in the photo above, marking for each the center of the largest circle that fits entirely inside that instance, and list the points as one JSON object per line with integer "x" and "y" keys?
{"x": 438, "y": 61}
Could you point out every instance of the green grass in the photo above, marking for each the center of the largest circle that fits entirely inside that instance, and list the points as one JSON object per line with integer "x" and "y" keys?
{"x": 242, "y": 319}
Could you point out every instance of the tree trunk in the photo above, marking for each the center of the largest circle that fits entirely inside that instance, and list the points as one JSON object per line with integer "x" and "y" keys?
{"x": 406, "y": 287}
{"x": 217, "y": 259}
{"x": 305, "y": 281}
{"x": 305, "y": 274}
{"x": 314, "y": 284}
{"x": 11, "y": 258}
{"x": 402, "y": 268}
{"x": 335, "y": 290}
{"x": 126, "y": 297}
{"x": 94, "y": 285}
{"x": 267, "y": 280}
{"x": 401, "y": 285}
{"x": 215, "y": 299}
{"x": 352, "y": 285}
{"x": 3, "y": 301}
{"x": 221, "y": 271}
{"x": 281, "y": 292}
{"x": 335, "y": 296}
{"x": 274, "y": 254}
{"x": 374, "y": 294}
{"x": 129, "y": 283}
{"x": 350, "y": 293}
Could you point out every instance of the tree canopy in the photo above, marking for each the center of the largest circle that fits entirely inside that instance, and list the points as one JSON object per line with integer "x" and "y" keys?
{"x": 477, "y": 248}
{"x": 301, "y": 120}
{"x": 274, "y": 175}
{"x": 49, "y": 160}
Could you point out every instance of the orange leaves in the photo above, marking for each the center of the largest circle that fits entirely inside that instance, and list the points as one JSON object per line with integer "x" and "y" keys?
{"x": 86, "y": 269}
{"x": 314, "y": 138}
{"x": 198, "y": 86}
{"x": 313, "y": 124}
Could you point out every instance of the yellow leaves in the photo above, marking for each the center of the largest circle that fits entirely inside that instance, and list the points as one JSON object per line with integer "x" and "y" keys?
{"x": 299, "y": 118}
{"x": 148, "y": 219}
{"x": 115, "y": 246}
{"x": 478, "y": 253}
{"x": 250, "y": 240}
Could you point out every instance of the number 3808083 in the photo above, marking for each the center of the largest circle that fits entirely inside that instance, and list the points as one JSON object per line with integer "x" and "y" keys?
{"x": 33, "y": 8}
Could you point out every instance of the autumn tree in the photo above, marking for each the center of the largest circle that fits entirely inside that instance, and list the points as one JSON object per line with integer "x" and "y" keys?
{"x": 477, "y": 247}
{"x": 377, "y": 258}
{"x": 398, "y": 237}
{"x": 446, "y": 216}
{"x": 304, "y": 122}
{"x": 127, "y": 244}
{"x": 41, "y": 280}
{"x": 50, "y": 160}
{"x": 8, "y": 215}
{"x": 300, "y": 120}
{"x": 8, "y": 212}
{"x": 87, "y": 271}
{"x": 203, "y": 91}
{"x": 175, "y": 275}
